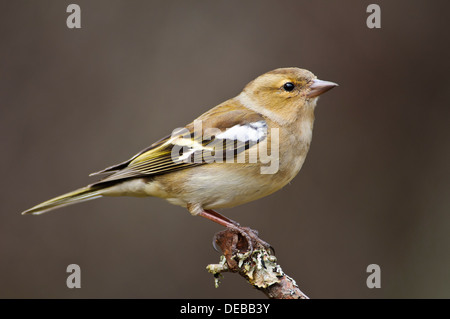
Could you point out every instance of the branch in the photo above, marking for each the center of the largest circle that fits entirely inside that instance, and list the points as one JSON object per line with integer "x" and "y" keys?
{"x": 258, "y": 265}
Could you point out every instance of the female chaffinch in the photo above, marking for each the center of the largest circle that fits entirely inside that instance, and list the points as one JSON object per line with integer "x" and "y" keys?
{"x": 222, "y": 158}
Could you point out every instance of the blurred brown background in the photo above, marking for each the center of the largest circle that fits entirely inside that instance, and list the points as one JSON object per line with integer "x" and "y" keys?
{"x": 374, "y": 188}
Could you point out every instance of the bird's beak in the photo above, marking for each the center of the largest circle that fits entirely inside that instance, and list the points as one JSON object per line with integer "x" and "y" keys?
{"x": 318, "y": 87}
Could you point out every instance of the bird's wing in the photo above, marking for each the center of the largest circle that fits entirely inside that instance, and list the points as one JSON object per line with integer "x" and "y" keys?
{"x": 210, "y": 139}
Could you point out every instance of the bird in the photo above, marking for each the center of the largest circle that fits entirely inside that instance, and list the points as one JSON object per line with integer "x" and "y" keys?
{"x": 241, "y": 150}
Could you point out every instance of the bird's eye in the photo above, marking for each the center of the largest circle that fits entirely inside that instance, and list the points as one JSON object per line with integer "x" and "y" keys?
{"x": 288, "y": 86}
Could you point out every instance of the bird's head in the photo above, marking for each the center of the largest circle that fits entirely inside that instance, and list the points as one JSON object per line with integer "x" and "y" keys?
{"x": 286, "y": 91}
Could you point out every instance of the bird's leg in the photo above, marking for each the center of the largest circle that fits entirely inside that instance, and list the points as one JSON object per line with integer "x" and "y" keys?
{"x": 246, "y": 232}
{"x": 218, "y": 218}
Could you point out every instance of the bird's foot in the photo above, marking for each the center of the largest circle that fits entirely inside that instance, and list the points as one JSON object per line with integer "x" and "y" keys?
{"x": 244, "y": 240}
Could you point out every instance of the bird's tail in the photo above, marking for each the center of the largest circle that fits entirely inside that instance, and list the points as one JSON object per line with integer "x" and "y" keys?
{"x": 77, "y": 196}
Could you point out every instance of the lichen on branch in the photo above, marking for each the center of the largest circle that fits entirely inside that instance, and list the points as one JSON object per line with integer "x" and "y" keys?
{"x": 255, "y": 262}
